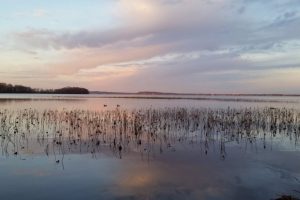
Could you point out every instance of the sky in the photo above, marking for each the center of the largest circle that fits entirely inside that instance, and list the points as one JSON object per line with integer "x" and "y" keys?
{"x": 198, "y": 46}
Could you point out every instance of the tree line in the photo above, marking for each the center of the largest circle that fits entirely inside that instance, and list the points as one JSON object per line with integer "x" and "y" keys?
{"x": 9, "y": 88}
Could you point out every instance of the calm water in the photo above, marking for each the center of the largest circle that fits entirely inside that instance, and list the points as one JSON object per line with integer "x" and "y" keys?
{"x": 74, "y": 147}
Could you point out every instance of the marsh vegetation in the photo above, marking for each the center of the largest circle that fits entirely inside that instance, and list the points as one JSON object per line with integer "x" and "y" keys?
{"x": 145, "y": 130}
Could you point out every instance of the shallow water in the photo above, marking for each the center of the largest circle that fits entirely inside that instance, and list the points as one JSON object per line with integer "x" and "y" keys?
{"x": 96, "y": 102}
{"x": 66, "y": 147}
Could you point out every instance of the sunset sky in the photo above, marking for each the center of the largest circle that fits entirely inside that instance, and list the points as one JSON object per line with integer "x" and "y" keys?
{"x": 218, "y": 46}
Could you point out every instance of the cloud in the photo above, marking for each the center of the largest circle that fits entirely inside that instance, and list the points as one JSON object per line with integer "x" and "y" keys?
{"x": 38, "y": 13}
{"x": 188, "y": 26}
{"x": 144, "y": 22}
{"x": 221, "y": 43}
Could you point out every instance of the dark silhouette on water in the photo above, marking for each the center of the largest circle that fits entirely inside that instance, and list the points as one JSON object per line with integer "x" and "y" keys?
{"x": 287, "y": 197}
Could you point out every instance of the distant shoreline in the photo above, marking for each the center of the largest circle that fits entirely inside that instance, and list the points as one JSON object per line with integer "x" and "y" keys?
{"x": 192, "y": 94}
{"x": 20, "y": 89}
{"x": 140, "y": 94}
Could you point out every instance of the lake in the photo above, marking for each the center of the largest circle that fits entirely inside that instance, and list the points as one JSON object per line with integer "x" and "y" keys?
{"x": 149, "y": 147}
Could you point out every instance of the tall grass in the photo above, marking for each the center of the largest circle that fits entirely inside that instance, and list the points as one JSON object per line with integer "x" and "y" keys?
{"x": 145, "y": 130}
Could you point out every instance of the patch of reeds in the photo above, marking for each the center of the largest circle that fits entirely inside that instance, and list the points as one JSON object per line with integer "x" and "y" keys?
{"x": 143, "y": 130}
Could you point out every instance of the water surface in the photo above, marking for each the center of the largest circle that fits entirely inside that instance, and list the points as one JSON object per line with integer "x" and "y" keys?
{"x": 74, "y": 147}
